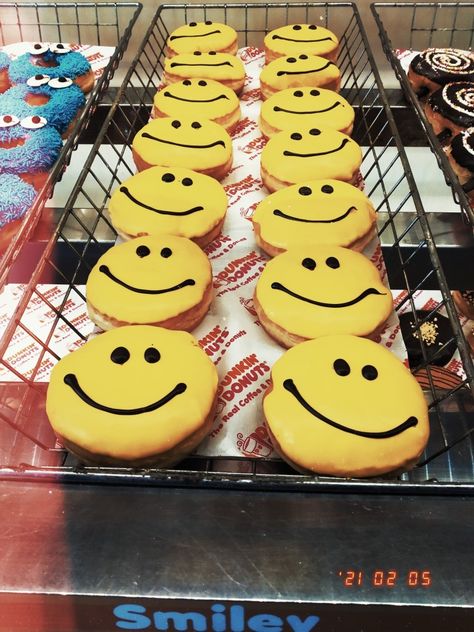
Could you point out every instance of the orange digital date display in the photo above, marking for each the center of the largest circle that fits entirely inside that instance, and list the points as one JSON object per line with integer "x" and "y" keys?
{"x": 386, "y": 578}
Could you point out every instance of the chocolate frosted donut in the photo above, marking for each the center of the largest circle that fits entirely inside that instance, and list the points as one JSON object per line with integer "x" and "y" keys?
{"x": 436, "y": 334}
{"x": 461, "y": 157}
{"x": 435, "y": 67}
{"x": 452, "y": 107}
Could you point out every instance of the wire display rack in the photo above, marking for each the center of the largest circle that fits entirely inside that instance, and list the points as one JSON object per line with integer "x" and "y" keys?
{"x": 27, "y": 443}
{"x": 107, "y": 24}
{"x": 417, "y": 26}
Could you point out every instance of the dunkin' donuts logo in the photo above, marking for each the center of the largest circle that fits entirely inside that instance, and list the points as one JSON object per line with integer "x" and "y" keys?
{"x": 257, "y": 443}
{"x": 235, "y": 190}
{"x": 249, "y": 306}
{"x": 243, "y": 128}
{"x": 250, "y": 53}
{"x": 240, "y": 272}
{"x": 218, "y": 341}
{"x": 222, "y": 245}
{"x": 251, "y": 96}
{"x": 255, "y": 146}
{"x": 241, "y": 376}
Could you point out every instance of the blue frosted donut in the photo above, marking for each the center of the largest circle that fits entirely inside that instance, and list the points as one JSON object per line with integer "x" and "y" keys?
{"x": 63, "y": 106}
{"x": 27, "y": 146}
{"x": 67, "y": 64}
{"x": 16, "y": 197}
{"x": 4, "y": 79}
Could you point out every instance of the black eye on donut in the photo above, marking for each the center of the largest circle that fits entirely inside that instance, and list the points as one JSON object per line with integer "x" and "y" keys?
{"x": 333, "y": 263}
{"x": 202, "y": 83}
{"x": 304, "y": 191}
{"x": 308, "y": 263}
{"x": 291, "y": 60}
{"x": 166, "y": 252}
{"x": 341, "y": 367}
{"x": 327, "y": 188}
{"x": 303, "y": 56}
{"x": 176, "y": 124}
{"x": 369, "y": 372}
{"x": 187, "y": 182}
{"x": 196, "y": 125}
{"x": 120, "y": 355}
{"x": 186, "y": 82}
{"x": 208, "y": 22}
{"x": 296, "y": 136}
{"x": 151, "y": 355}
{"x": 197, "y": 52}
{"x": 315, "y": 93}
{"x": 315, "y": 132}
{"x": 192, "y": 24}
{"x": 298, "y": 93}
{"x": 212, "y": 52}
{"x": 143, "y": 251}
{"x": 312, "y": 27}
{"x": 297, "y": 27}
{"x": 167, "y": 177}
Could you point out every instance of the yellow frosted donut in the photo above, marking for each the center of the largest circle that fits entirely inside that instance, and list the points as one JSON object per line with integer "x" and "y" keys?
{"x": 202, "y": 36}
{"x": 314, "y": 291}
{"x": 203, "y": 146}
{"x": 305, "y": 107}
{"x": 223, "y": 67}
{"x": 201, "y": 98}
{"x": 133, "y": 396}
{"x": 345, "y": 406}
{"x": 313, "y": 212}
{"x": 159, "y": 280}
{"x": 294, "y": 39}
{"x": 294, "y": 156}
{"x": 169, "y": 200}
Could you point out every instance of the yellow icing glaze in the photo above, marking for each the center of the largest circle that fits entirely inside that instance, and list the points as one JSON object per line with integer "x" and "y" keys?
{"x": 307, "y": 107}
{"x": 330, "y": 275}
{"x": 152, "y": 263}
{"x": 134, "y": 384}
{"x": 162, "y": 188}
{"x": 338, "y": 156}
{"x": 201, "y": 98}
{"x": 310, "y": 39}
{"x": 202, "y": 36}
{"x": 367, "y": 405}
{"x": 323, "y": 207}
{"x": 217, "y": 66}
{"x": 186, "y": 142}
{"x": 312, "y": 71}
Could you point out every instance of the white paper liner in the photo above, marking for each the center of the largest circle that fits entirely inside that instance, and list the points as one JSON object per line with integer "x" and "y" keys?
{"x": 230, "y": 334}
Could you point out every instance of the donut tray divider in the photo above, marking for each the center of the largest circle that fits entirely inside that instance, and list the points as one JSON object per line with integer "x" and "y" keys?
{"x": 106, "y": 24}
{"x": 27, "y": 443}
{"x": 418, "y": 26}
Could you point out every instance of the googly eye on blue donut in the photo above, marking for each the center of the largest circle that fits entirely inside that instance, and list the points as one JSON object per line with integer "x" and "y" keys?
{"x": 28, "y": 145}
{"x": 53, "y": 60}
{"x": 56, "y": 99}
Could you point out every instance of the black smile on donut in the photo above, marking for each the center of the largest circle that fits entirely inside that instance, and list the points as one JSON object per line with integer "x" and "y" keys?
{"x": 303, "y": 41}
{"x": 170, "y": 142}
{"x": 105, "y": 270}
{"x": 280, "y": 73}
{"x": 172, "y": 96}
{"x": 279, "y": 213}
{"x": 190, "y": 211}
{"x": 331, "y": 107}
{"x": 175, "y": 64}
{"x": 71, "y": 380}
{"x": 290, "y": 386}
{"x": 368, "y": 292}
{"x": 175, "y": 37}
{"x": 318, "y": 153}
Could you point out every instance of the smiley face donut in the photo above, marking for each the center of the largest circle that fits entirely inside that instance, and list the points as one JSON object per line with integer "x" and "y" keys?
{"x": 133, "y": 396}
{"x": 201, "y": 98}
{"x": 54, "y": 60}
{"x": 57, "y": 100}
{"x": 297, "y": 71}
{"x": 4, "y": 78}
{"x": 291, "y": 157}
{"x": 327, "y": 212}
{"x": 174, "y": 201}
{"x": 294, "y": 39}
{"x": 345, "y": 406}
{"x": 156, "y": 280}
{"x": 203, "y": 146}
{"x": 222, "y": 67}
{"x": 29, "y": 147}
{"x": 316, "y": 291}
{"x": 203, "y": 37}
{"x": 305, "y": 107}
